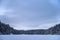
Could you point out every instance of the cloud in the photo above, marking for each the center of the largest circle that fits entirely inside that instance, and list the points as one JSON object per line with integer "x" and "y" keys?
{"x": 24, "y": 14}
{"x": 6, "y": 12}
{"x": 29, "y": 27}
{"x": 2, "y": 11}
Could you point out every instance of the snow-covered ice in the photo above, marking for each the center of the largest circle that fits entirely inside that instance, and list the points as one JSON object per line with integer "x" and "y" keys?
{"x": 29, "y": 37}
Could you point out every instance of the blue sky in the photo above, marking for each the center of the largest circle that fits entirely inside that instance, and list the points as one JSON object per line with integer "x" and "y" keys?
{"x": 30, "y": 14}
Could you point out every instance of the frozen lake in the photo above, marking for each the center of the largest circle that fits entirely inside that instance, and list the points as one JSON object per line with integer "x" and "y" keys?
{"x": 29, "y": 37}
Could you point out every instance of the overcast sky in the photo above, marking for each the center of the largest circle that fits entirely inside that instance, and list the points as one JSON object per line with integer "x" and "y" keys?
{"x": 30, "y": 14}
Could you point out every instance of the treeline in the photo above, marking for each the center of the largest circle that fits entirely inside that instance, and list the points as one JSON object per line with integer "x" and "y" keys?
{"x": 5, "y": 29}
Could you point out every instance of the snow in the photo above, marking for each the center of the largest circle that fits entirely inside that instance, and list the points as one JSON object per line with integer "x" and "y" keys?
{"x": 29, "y": 37}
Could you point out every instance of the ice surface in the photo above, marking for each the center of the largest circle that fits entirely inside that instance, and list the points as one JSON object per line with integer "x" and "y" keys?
{"x": 29, "y": 37}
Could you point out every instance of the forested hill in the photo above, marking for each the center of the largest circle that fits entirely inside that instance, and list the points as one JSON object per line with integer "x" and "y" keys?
{"x": 5, "y": 29}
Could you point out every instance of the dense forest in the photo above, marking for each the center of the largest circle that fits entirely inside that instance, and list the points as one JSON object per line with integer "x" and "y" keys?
{"x": 5, "y": 29}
